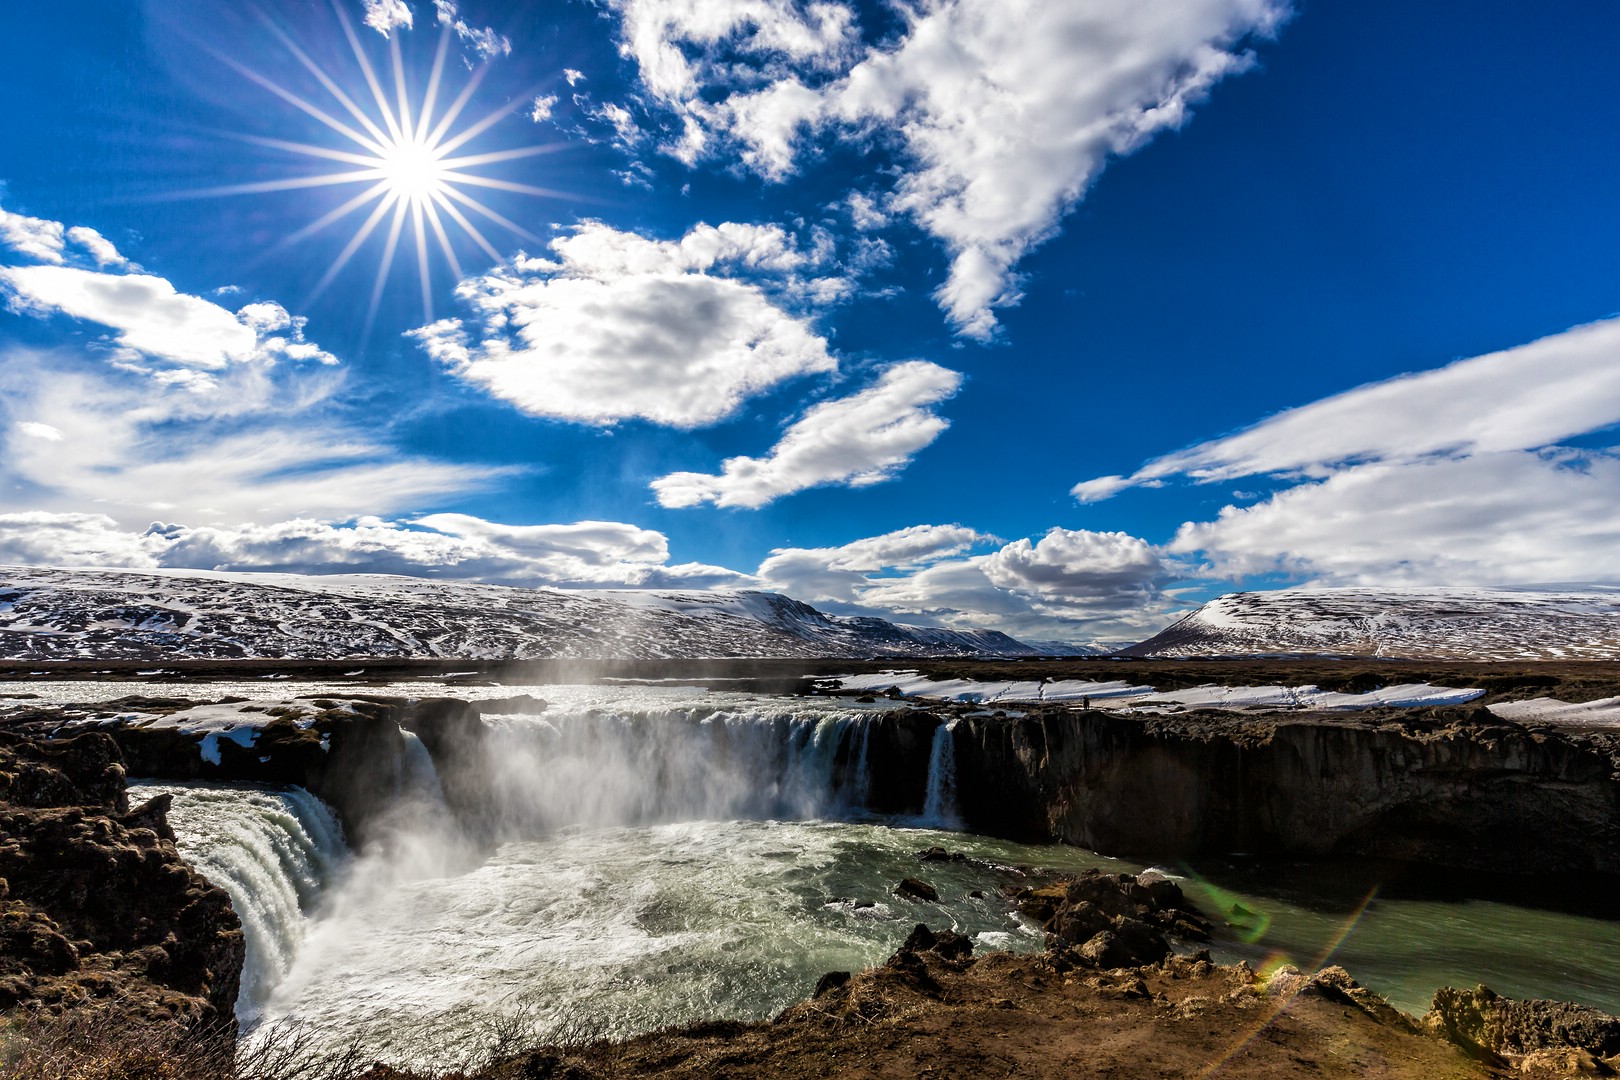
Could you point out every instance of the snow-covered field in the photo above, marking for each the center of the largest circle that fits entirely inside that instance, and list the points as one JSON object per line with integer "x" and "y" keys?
{"x": 1415, "y": 624}
{"x": 50, "y": 614}
{"x": 1125, "y": 697}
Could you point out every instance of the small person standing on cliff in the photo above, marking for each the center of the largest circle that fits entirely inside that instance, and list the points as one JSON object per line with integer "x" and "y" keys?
{"x": 1085, "y": 702}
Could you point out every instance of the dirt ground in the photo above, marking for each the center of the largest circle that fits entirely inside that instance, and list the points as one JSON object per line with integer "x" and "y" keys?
{"x": 1017, "y": 1016}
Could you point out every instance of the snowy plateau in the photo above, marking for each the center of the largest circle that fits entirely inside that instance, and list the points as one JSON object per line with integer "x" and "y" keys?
{"x": 1399, "y": 624}
{"x": 55, "y": 614}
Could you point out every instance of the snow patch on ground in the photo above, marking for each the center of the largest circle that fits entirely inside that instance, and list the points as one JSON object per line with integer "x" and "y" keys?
{"x": 1124, "y": 697}
{"x": 1604, "y": 712}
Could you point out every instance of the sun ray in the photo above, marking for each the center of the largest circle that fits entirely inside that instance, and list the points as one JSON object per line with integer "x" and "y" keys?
{"x": 348, "y": 103}
{"x": 300, "y": 104}
{"x": 370, "y": 75}
{"x": 293, "y": 183}
{"x": 386, "y": 264}
{"x": 432, "y": 211}
{"x": 310, "y": 150}
{"x": 468, "y": 227}
{"x": 496, "y": 156}
{"x": 418, "y": 226}
{"x": 468, "y": 201}
{"x": 457, "y": 105}
{"x": 505, "y": 185}
{"x": 376, "y": 190}
{"x": 406, "y": 128}
{"x": 350, "y": 248}
{"x": 431, "y": 98}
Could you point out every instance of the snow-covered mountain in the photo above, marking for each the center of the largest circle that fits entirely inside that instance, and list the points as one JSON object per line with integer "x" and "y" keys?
{"x": 51, "y": 614}
{"x": 1455, "y": 624}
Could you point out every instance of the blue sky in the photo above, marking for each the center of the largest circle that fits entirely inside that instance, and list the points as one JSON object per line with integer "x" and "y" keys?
{"x": 1052, "y": 317}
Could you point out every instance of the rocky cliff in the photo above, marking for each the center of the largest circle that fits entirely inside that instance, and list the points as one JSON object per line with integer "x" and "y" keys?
{"x": 1450, "y": 787}
{"x": 96, "y": 906}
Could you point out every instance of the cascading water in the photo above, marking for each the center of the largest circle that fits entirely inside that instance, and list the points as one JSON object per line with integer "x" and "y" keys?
{"x": 272, "y": 851}
{"x": 939, "y": 806}
{"x": 599, "y": 768}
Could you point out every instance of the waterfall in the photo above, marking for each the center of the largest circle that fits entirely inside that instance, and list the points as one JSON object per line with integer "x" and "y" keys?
{"x": 606, "y": 768}
{"x": 939, "y": 807}
{"x": 416, "y": 777}
{"x": 272, "y": 851}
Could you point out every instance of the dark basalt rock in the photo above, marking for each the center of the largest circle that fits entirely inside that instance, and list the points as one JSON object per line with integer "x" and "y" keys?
{"x": 913, "y": 889}
{"x": 1113, "y": 920}
{"x": 1455, "y": 787}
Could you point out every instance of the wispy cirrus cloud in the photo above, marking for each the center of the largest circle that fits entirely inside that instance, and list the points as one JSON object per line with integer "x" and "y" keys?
{"x": 1523, "y": 398}
{"x": 855, "y": 441}
{"x": 1004, "y": 113}
{"x": 185, "y": 405}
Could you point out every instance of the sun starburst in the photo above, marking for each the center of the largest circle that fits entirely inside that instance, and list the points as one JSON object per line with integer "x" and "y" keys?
{"x": 407, "y": 153}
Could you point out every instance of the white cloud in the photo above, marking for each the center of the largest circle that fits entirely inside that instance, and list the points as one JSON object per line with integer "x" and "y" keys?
{"x": 618, "y": 326}
{"x": 540, "y": 112}
{"x": 151, "y": 320}
{"x": 1522, "y": 398}
{"x": 859, "y": 440}
{"x": 35, "y": 430}
{"x": 49, "y": 242}
{"x": 40, "y": 538}
{"x": 1080, "y": 567}
{"x": 485, "y": 42}
{"x": 221, "y": 415}
{"x": 1005, "y": 110}
{"x": 655, "y": 31}
{"x": 838, "y": 574}
{"x": 1071, "y": 584}
{"x": 573, "y": 76}
{"x": 457, "y": 546}
{"x": 1514, "y": 517}
{"x": 385, "y": 16}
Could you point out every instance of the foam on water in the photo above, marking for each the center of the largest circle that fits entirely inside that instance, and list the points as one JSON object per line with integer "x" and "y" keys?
{"x": 272, "y": 851}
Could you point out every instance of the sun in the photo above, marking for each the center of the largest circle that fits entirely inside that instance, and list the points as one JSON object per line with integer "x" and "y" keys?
{"x": 405, "y": 151}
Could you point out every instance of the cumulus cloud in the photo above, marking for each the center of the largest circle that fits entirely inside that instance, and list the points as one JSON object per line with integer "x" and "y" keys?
{"x": 618, "y": 326}
{"x": 1004, "y": 112}
{"x": 385, "y": 16}
{"x": 50, "y": 242}
{"x": 151, "y": 320}
{"x": 1070, "y": 584}
{"x": 42, "y": 538}
{"x": 1515, "y": 517}
{"x": 838, "y": 574}
{"x": 1523, "y": 398}
{"x": 485, "y": 42}
{"x": 859, "y": 440}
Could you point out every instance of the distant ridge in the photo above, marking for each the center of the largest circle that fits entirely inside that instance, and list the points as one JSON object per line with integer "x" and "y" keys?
{"x": 1401, "y": 624}
{"x": 56, "y": 614}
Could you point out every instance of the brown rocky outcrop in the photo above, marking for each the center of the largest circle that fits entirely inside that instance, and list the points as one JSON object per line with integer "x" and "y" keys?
{"x": 1491, "y": 1026}
{"x": 96, "y": 906}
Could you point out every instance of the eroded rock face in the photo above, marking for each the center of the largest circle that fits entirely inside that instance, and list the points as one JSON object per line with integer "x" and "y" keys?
{"x": 1450, "y": 788}
{"x": 1489, "y": 1025}
{"x": 96, "y": 906}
